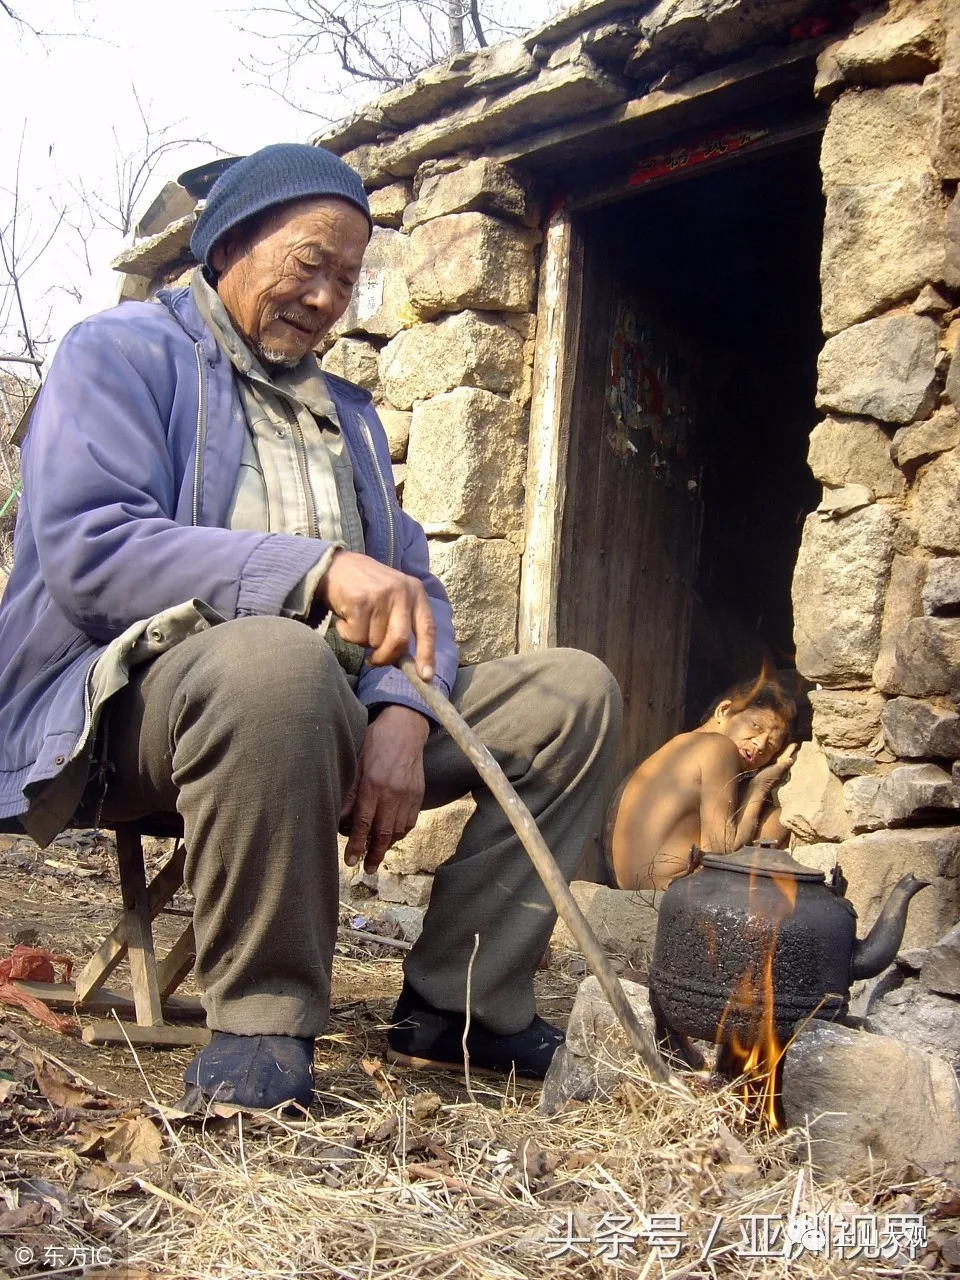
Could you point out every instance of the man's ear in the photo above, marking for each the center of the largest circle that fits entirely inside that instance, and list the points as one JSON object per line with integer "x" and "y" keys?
{"x": 218, "y": 256}
{"x": 722, "y": 710}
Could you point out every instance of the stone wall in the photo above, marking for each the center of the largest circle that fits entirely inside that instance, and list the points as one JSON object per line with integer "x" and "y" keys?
{"x": 877, "y": 585}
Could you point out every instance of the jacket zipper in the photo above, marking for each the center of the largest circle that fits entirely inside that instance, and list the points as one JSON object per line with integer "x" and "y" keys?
{"x": 201, "y": 431}
{"x": 383, "y": 487}
{"x": 300, "y": 448}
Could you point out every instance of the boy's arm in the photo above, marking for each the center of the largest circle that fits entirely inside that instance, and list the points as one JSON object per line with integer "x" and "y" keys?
{"x": 720, "y": 772}
{"x": 758, "y": 793}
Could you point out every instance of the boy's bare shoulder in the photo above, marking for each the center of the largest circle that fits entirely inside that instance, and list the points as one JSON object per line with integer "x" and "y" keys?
{"x": 716, "y": 748}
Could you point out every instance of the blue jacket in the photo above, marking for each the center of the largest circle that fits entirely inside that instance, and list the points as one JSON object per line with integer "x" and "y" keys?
{"x": 129, "y": 467}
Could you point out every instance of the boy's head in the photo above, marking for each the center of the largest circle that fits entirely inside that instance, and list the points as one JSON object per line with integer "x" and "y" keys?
{"x": 757, "y": 716}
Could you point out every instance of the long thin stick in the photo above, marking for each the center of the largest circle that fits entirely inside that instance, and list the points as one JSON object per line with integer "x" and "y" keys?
{"x": 522, "y": 822}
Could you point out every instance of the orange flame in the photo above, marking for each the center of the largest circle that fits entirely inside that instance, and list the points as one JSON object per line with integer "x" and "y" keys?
{"x": 754, "y": 1059}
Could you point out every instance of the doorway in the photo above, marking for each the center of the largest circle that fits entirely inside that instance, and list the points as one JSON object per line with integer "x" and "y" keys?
{"x": 692, "y": 404}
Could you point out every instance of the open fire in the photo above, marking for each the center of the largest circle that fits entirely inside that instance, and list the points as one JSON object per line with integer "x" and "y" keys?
{"x": 750, "y": 1048}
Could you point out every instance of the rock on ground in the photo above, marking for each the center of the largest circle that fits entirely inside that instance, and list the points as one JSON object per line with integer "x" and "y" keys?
{"x": 621, "y": 919}
{"x": 918, "y": 1017}
{"x": 596, "y": 1055}
{"x": 872, "y": 1101}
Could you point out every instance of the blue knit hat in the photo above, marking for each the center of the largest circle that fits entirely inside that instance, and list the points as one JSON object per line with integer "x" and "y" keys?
{"x": 275, "y": 174}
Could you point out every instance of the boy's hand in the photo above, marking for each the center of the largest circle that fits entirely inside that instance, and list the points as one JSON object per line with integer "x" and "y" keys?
{"x": 769, "y": 776}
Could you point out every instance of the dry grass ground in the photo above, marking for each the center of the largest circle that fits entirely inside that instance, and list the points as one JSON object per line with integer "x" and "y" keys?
{"x": 391, "y": 1174}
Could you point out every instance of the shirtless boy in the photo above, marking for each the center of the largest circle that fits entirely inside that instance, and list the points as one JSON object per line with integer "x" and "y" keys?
{"x": 710, "y": 788}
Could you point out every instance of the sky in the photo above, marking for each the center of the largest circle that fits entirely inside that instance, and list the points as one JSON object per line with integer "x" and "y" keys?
{"x": 64, "y": 96}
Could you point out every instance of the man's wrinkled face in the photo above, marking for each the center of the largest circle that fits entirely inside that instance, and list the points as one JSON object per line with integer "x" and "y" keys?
{"x": 289, "y": 284}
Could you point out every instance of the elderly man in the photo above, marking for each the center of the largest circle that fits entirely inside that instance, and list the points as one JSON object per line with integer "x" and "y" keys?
{"x": 199, "y": 502}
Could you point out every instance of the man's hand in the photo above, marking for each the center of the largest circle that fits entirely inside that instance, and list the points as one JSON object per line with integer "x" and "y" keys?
{"x": 387, "y": 791}
{"x": 379, "y": 608}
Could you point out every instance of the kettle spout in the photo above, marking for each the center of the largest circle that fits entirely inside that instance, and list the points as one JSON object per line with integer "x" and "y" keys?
{"x": 877, "y": 950}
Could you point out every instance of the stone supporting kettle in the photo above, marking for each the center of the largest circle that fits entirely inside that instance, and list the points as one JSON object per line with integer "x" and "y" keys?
{"x": 757, "y": 921}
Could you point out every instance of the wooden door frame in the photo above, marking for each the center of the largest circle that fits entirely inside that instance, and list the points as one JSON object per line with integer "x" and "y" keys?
{"x": 559, "y": 309}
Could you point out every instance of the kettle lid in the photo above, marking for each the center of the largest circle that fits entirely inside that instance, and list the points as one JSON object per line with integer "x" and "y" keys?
{"x": 759, "y": 860}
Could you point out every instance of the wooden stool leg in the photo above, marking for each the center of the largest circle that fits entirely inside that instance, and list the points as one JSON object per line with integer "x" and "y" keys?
{"x": 177, "y": 963}
{"x": 139, "y": 934}
{"x": 114, "y": 946}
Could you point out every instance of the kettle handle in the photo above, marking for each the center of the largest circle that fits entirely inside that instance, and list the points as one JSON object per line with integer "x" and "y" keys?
{"x": 838, "y": 881}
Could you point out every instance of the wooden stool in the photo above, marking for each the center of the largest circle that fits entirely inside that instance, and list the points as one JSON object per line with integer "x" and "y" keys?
{"x": 153, "y": 983}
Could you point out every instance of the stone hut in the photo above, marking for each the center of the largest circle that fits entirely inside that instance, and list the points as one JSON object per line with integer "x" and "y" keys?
{"x": 661, "y": 309}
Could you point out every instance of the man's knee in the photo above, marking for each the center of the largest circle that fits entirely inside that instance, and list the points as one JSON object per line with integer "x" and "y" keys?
{"x": 270, "y": 669}
{"x": 588, "y": 681}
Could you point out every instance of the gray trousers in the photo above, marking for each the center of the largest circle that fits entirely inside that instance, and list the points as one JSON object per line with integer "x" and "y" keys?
{"x": 251, "y": 732}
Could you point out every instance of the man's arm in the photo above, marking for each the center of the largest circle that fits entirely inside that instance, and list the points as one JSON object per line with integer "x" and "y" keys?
{"x": 100, "y": 490}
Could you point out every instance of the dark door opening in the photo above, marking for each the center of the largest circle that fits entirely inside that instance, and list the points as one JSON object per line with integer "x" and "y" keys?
{"x": 693, "y": 402}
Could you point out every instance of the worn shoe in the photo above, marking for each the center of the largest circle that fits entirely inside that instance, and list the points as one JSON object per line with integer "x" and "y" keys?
{"x": 428, "y": 1037}
{"x": 254, "y": 1071}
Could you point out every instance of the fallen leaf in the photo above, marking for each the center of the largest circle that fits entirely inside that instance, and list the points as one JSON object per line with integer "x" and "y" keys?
{"x": 732, "y": 1156}
{"x": 133, "y": 1144}
{"x": 31, "y": 1214}
{"x": 57, "y": 1088}
{"x": 424, "y": 1105}
{"x": 535, "y": 1161}
{"x": 574, "y": 1160}
{"x": 8, "y": 1088}
{"x": 97, "y": 1177}
{"x": 386, "y": 1129}
{"x": 381, "y": 1081}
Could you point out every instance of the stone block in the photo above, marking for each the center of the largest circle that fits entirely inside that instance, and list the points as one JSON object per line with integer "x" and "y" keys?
{"x": 941, "y": 590}
{"x": 505, "y": 63}
{"x": 466, "y": 349}
{"x": 396, "y": 424}
{"x": 854, "y": 451}
{"x": 432, "y": 90}
{"x": 412, "y": 890}
{"x": 482, "y": 578}
{"x": 399, "y": 472}
{"x": 840, "y": 502}
{"x": 555, "y": 95}
{"x": 924, "y": 440}
{"x": 874, "y": 862}
{"x": 811, "y": 799}
{"x": 387, "y": 205}
{"x": 381, "y": 300}
{"x": 940, "y": 971}
{"x": 480, "y": 186}
{"x": 596, "y": 1055}
{"x": 916, "y": 1016}
{"x": 946, "y": 147}
{"x": 951, "y": 261}
{"x": 906, "y": 794}
{"x": 467, "y": 457}
{"x": 843, "y": 718}
{"x": 903, "y": 601}
{"x": 622, "y": 919}
{"x": 470, "y": 260}
{"x": 939, "y": 527}
{"x": 884, "y": 53}
{"x": 355, "y": 360}
{"x": 881, "y": 243}
{"x": 850, "y": 763}
{"x": 432, "y": 840}
{"x": 927, "y": 658}
{"x": 871, "y": 1102}
{"x": 838, "y": 587}
{"x": 917, "y": 730}
{"x": 881, "y": 135}
{"x": 881, "y": 369}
